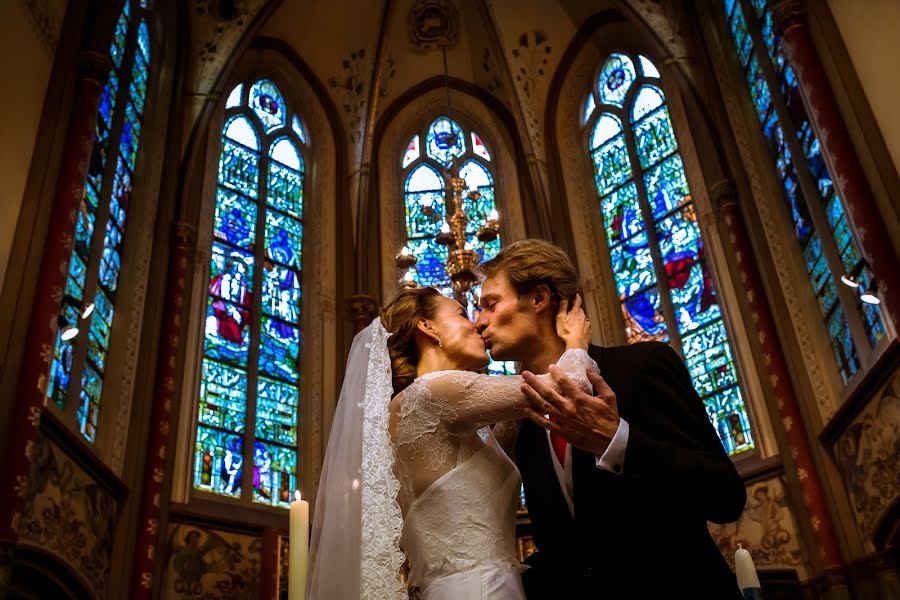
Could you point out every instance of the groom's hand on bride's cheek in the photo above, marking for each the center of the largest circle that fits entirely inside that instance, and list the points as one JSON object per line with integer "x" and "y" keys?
{"x": 587, "y": 422}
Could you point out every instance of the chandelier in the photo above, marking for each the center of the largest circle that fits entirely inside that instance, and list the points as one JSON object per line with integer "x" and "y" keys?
{"x": 462, "y": 258}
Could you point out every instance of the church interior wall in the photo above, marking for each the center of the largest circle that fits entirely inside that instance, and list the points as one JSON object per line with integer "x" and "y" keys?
{"x": 81, "y": 503}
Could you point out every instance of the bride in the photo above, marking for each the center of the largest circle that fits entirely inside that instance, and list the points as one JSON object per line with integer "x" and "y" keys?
{"x": 413, "y": 472}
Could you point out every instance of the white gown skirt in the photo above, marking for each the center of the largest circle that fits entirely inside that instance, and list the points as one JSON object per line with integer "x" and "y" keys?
{"x": 481, "y": 583}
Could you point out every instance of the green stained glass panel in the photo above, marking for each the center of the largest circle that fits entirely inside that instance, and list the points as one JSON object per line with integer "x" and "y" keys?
{"x": 655, "y": 137}
{"x": 223, "y": 396}
{"x": 285, "y": 191}
{"x": 611, "y": 165}
{"x": 279, "y": 350}
{"x": 276, "y": 412}
{"x": 284, "y": 239}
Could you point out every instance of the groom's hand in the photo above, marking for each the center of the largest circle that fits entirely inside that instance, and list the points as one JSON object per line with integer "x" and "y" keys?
{"x": 587, "y": 422}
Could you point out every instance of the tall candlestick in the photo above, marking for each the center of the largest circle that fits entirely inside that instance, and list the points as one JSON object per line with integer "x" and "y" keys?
{"x": 299, "y": 548}
{"x": 747, "y": 578}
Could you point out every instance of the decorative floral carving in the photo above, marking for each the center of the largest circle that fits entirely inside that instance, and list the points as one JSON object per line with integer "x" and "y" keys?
{"x": 350, "y": 87}
{"x": 68, "y": 514}
{"x": 45, "y": 19}
{"x": 767, "y": 529}
{"x": 208, "y": 564}
{"x": 433, "y": 24}
{"x": 868, "y": 453}
{"x": 531, "y": 57}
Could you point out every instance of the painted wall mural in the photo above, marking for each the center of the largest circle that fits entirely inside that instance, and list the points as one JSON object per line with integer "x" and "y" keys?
{"x": 68, "y": 514}
{"x": 210, "y": 564}
{"x": 767, "y": 528}
{"x": 868, "y": 453}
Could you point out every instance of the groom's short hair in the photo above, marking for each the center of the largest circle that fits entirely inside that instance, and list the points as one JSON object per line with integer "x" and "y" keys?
{"x": 529, "y": 263}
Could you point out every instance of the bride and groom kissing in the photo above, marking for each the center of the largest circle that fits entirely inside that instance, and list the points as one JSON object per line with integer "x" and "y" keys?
{"x": 620, "y": 464}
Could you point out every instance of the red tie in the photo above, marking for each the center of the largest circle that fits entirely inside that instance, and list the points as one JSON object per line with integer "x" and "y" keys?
{"x": 559, "y": 444}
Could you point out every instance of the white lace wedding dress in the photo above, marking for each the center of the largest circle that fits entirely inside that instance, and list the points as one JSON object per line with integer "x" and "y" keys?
{"x": 458, "y": 489}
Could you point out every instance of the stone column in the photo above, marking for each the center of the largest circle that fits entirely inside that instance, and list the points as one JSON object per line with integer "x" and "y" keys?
{"x": 164, "y": 379}
{"x": 362, "y": 310}
{"x": 839, "y": 154}
{"x": 34, "y": 373}
{"x": 728, "y": 212}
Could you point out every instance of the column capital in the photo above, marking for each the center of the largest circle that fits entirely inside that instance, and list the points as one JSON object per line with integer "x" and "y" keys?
{"x": 787, "y": 14}
{"x": 361, "y": 309}
{"x": 183, "y": 234}
{"x": 94, "y": 66}
{"x": 723, "y": 194}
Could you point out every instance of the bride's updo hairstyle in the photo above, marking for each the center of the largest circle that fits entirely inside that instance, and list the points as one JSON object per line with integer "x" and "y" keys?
{"x": 401, "y": 318}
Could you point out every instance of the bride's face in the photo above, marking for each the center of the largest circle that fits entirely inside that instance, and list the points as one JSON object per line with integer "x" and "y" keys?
{"x": 460, "y": 340}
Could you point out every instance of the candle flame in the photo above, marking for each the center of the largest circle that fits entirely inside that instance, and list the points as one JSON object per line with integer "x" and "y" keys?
{"x": 355, "y": 484}
{"x": 297, "y": 495}
{"x": 494, "y": 215}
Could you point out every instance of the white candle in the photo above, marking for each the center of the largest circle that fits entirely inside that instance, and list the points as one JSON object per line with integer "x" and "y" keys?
{"x": 744, "y": 569}
{"x": 298, "y": 549}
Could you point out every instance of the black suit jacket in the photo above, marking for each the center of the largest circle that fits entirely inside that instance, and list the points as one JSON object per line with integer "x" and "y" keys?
{"x": 641, "y": 533}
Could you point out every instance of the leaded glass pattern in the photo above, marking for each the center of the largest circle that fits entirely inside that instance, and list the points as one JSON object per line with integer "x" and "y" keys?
{"x": 659, "y": 260}
{"x": 829, "y": 250}
{"x": 250, "y": 378}
{"x": 79, "y": 364}
{"x": 424, "y": 199}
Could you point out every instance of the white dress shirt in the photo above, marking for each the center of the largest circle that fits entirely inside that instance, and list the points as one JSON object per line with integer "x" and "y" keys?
{"x": 612, "y": 460}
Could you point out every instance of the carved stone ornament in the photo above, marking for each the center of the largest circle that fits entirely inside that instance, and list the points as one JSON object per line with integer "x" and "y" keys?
{"x": 433, "y": 24}
{"x": 362, "y": 307}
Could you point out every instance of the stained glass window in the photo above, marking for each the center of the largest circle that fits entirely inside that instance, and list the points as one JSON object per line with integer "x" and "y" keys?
{"x": 659, "y": 260}
{"x": 250, "y": 376}
{"x": 89, "y": 303}
{"x": 425, "y": 209}
{"x": 829, "y": 249}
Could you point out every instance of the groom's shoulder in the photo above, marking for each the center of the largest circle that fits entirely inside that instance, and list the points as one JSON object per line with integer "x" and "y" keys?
{"x": 633, "y": 355}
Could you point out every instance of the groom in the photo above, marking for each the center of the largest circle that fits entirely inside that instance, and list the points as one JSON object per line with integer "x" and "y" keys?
{"x": 619, "y": 485}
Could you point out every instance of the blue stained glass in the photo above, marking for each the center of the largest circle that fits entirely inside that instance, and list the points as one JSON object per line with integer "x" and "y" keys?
{"x": 279, "y": 350}
{"x": 424, "y": 178}
{"x": 616, "y": 77}
{"x": 268, "y": 104}
{"x": 648, "y": 99}
{"x": 611, "y": 165}
{"x": 223, "y": 396}
{"x": 667, "y": 187}
{"x": 131, "y": 134}
{"x": 607, "y": 127}
{"x": 138, "y": 86}
{"x": 231, "y": 274}
{"x": 728, "y": 415}
{"x": 103, "y": 308}
{"x": 644, "y": 321}
{"x": 238, "y": 168}
{"x": 61, "y": 369}
{"x": 75, "y": 281}
{"x": 108, "y": 103}
{"x": 412, "y": 151}
{"x": 430, "y": 269}
{"x": 285, "y": 190}
{"x": 84, "y": 230}
{"x": 298, "y": 129}
{"x": 274, "y": 474}
{"x": 708, "y": 359}
{"x": 621, "y": 214}
{"x": 589, "y": 105}
{"x": 218, "y": 460}
{"x": 235, "y": 219}
{"x": 284, "y": 239}
{"x": 281, "y": 293}
{"x": 144, "y": 40}
{"x": 98, "y": 343}
{"x": 285, "y": 153}
{"x": 424, "y": 213}
{"x": 227, "y": 331}
{"x": 110, "y": 262}
{"x": 276, "y": 412}
{"x": 236, "y": 96}
{"x": 117, "y": 49}
{"x": 88, "y": 409}
{"x": 241, "y": 131}
{"x": 654, "y": 137}
{"x": 632, "y": 265}
{"x": 445, "y": 140}
{"x": 479, "y": 148}
{"x": 741, "y": 35}
{"x": 648, "y": 67}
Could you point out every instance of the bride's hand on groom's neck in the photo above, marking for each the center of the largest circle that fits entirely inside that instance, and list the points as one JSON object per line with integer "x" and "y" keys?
{"x": 572, "y": 324}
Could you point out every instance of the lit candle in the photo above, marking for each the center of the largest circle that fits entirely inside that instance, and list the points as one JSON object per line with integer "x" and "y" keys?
{"x": 494, "y": 215}
{"x": 747, "y": 578}
{"x": 445, "y": 228}
{"x": 299, "y": 548}
{"x": 404, "y": 251}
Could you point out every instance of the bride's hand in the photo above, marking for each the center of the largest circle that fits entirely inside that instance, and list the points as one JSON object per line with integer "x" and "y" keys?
{"x": 572, "y": 324}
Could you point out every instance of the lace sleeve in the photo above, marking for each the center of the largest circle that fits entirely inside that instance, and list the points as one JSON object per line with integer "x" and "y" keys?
{"x": 469, "y": 401}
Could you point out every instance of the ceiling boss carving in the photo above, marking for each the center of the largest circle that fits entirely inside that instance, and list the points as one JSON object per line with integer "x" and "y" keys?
{"x": 433, "y": 24}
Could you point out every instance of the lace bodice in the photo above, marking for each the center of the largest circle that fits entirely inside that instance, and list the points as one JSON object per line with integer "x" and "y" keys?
{"x": 458, "y": 490}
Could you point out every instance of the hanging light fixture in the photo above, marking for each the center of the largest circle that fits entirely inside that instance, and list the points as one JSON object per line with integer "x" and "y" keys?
{"x": 869, "y": 295}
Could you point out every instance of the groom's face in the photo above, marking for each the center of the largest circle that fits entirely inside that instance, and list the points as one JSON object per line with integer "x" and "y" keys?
{"x": 504, "y": 321}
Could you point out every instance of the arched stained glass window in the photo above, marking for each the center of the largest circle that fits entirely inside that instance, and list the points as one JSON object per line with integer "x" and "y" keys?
{"x": 250, "y": 376}
{"x": 820, "y": 223}
{"x": 424, "y": 193}
{"x": 90, "y": 298}
{"x": 658, "y": 256}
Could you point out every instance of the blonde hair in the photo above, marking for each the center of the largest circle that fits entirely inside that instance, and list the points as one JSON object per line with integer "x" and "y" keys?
{"x": 401, "y": 318}
{"x": 530, "y": 263}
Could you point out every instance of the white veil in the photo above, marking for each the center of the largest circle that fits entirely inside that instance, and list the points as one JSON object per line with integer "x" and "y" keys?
{"x": 355, "y": 551}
